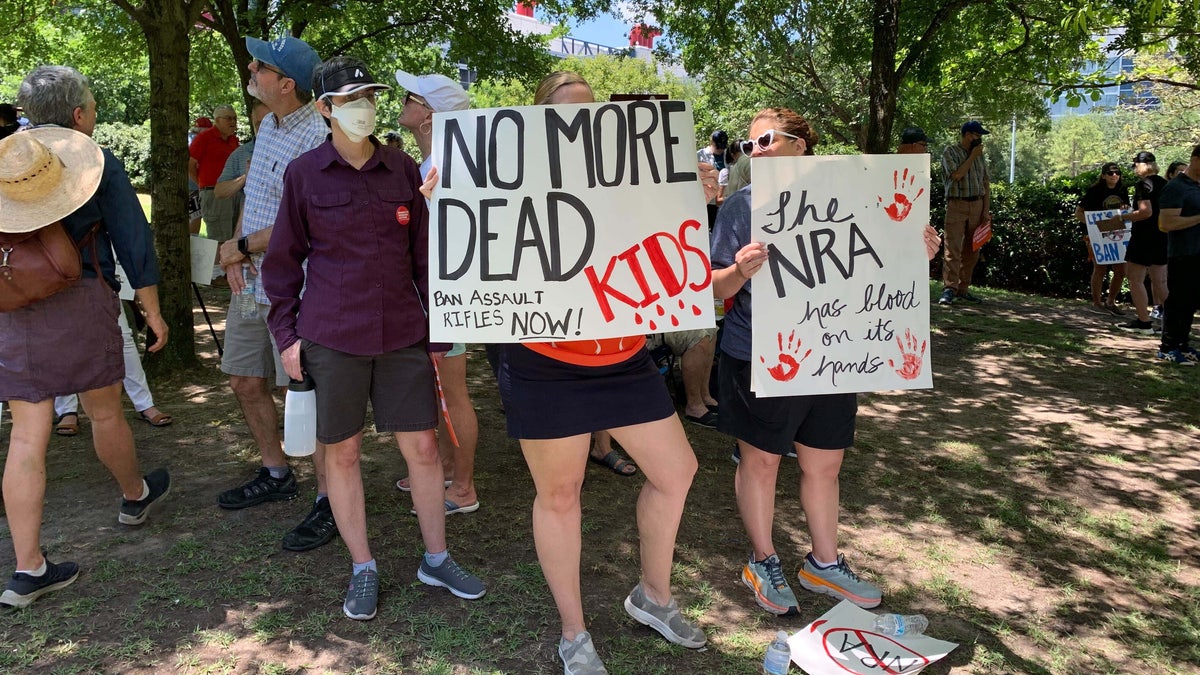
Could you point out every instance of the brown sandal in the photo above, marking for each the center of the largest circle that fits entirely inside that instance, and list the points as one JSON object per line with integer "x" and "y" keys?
{"x": 64, "y": 428}
{"x": 160, "y": 420}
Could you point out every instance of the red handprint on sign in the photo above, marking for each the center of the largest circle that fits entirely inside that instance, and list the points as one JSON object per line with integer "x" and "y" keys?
{"x": 788, "y": 366}
{"x": 901, "y": 205}
{"x": 910, "y": 367}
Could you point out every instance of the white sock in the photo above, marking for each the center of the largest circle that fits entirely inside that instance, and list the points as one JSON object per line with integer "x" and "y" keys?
{"x": 145, "y": 491}
{"x": 35, "y": 573}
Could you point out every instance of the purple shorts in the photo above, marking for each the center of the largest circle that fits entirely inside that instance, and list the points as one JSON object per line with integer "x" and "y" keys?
{"x": 65, "y": 344}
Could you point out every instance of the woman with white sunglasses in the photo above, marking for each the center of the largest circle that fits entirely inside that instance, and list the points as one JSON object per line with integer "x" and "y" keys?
{"x": 817, "y": 429}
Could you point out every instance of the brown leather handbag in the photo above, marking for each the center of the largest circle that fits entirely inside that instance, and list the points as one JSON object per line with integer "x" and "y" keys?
{"x": 36, "y": 265}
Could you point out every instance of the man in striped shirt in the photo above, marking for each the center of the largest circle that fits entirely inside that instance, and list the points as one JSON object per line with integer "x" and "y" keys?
{"x": 967, "y": 208}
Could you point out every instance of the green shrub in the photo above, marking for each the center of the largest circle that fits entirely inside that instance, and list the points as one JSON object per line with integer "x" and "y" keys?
{"x": 131, "y": 144}
{"x": 1037, "y": 245}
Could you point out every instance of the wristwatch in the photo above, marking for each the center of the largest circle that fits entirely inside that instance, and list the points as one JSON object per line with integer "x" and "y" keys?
{"x": 244, "y": 246}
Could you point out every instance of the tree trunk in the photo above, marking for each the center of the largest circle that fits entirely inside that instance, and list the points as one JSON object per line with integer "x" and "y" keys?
{"x": 166, "y": 24}
{"x": 884, "y": 82}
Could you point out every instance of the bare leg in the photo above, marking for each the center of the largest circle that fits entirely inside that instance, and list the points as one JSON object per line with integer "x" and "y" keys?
{"x": 1158, "y": 283}
{"x": 1098, "y": 273}
{"x": 258, "y": 407}
{"x": 754, "y": 483}
{"x": 453, "y": 371}
{"x": 819, "y": 495}
{"x": 113, "y": 438}
{"x": 666, "y": 459}
{"x": 1137, "y": 289}
{"x": 345, "y": 490}
{"x": 696, "y": 365}
{"x": 557, "y": 469}
{"x": 24, "y": 482}
{"x": 425, "y": 473}
{"x": 1114, "y": 288}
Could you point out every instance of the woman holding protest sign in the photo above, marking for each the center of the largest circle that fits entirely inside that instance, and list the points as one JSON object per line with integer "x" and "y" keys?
{"x": 1106, "y": 193}
{"x": 592, "y": 385}
{"x": 817, "y": 428}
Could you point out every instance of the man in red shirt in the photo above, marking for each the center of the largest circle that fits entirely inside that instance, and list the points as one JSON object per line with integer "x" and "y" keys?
{"x": 208, "y": 153}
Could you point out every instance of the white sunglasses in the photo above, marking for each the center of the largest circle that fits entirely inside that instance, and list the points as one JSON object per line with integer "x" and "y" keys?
{"x": 764, "y": 141}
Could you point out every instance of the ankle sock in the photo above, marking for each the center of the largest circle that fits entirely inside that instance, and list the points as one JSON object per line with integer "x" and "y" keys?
{"x": 361, "y": 567}
{"x": 278, "y": 472}
{"x": 320, "y": 496}
{"x": 436, "y": 559}
{"x": 145, "y": 491}
{"x": 819, "y": 564}
{"x": 37, "y": 572}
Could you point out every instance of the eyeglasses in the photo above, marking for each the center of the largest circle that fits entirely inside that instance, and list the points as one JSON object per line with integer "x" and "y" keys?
{"x": 764, "y": 141}
{"x": 260, "y": 65}
{"x": 1112, "y": 173}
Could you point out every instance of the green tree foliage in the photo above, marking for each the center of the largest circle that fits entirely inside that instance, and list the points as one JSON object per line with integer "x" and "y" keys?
{"x": 1078, "y": 143}
{"x": 856, "y": 67}
{"x": 1142, "y": 27}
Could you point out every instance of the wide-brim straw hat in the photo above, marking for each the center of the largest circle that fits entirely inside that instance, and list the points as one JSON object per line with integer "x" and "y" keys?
{"x": 46, "y": 174}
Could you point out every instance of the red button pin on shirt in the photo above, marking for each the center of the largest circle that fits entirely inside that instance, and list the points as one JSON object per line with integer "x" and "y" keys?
{"x": 402, "y": 215}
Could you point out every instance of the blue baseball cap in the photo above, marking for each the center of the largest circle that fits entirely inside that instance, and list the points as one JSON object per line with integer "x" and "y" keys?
{"x": 974, "y": 127}
{"x": 291, "y": 55}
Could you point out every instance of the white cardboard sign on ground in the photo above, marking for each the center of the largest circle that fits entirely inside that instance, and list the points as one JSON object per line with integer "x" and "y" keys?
{"x": 842, "y": 304}
{"x": 1108, "y": 245}
{"x": 567, "y": 222}
{"x": 844, "y": 641}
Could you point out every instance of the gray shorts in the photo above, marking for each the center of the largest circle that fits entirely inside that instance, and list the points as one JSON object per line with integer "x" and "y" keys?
{"x": 250, "y": 349}
{"x": 218, "y": 215}
{"x": 680, "y": 341}
{"x": 399, "y": 385}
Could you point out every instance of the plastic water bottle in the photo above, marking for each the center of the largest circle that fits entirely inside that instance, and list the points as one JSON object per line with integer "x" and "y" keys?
{"x": 244, "y": 304}
{"x": 300, "y": 418}
{"x": 898, "y": 625}
{"x": 779, "y": 656}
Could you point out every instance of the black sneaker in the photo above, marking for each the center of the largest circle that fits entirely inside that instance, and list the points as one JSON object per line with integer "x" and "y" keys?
{"x": 1137, "y": 326}
{"x": 263, "y": 488}
{"x": 947, "y": 297}
{"x": 317, "y": 529}
{"x": 23, "y": 588}
{"x": 135, "y": 512}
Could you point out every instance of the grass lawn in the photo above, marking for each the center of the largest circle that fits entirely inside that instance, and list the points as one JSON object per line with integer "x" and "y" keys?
{"x": 1039, "y": 505}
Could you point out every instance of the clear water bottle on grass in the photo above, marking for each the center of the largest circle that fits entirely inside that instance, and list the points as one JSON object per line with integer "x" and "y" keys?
{"x": 779, "y": 656}
{"x": 898, "y": 625}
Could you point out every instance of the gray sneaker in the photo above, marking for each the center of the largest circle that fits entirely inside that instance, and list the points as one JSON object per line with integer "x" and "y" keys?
{"x": 362, "y": 597}
{"x": 452, "y": 577}
{"x": 771, "y": 589}
{"x": 839, "y": 581}
{"x": 579, "y": 656}
{"x": 664, "y": 619}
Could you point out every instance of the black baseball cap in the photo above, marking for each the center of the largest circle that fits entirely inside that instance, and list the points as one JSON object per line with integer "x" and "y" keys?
{"x": 720, "y": 139}
{"x": 1144, "y": 157}
{"x": 913, "y": 135}
{"x": 352, "y": 73}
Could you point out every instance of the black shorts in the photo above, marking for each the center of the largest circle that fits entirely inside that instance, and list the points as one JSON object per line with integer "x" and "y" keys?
{"x": 1147, "y": 245}
{"x": 774, "y": 424}
{"x": 545, "y": 398}
{"x": 399, "y": 385}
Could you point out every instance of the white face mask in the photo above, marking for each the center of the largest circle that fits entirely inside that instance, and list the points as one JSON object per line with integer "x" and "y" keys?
{"x": 356, "y": 118}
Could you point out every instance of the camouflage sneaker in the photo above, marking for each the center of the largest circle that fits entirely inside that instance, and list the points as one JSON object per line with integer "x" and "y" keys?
{"x": 665, "y": 619}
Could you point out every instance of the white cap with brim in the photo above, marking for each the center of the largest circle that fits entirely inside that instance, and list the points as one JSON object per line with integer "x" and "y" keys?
{"x": 440, "y": 92}
{"x": 46, "y": 174}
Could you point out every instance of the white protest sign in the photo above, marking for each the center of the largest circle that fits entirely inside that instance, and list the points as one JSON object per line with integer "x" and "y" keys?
{"x": 204, "y": 255}
{"x": 844, "y": 641}
{"x": 567, "y": 222}
{"x": 1108, "y": 244}
{"x": 842, "y": 303}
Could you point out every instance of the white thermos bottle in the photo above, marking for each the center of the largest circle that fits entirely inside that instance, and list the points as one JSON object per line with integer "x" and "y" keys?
{"x": 300, "y": 418}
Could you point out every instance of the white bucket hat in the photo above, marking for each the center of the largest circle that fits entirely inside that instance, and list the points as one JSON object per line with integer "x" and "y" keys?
{"x": 46, "y": 174}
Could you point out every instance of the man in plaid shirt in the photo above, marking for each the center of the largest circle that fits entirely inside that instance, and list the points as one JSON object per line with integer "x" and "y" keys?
{"x": 967, "y": 208}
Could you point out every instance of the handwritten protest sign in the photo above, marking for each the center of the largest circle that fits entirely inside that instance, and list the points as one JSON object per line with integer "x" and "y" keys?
{"x": 844, "y": 641}
{"x": 1108, "y": 242}
{"x": 203, "y": 253}
{"x": 567, "y": 222}
{"x": 842, "y": 304}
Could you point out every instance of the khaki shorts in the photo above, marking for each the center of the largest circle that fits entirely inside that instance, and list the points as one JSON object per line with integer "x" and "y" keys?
{"x": 681, "y": 341}
{"x": 250, "y": 349}
{"x": 218, "y": 215}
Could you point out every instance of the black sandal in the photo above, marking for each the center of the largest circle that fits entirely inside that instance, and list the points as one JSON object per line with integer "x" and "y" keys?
{"x": 615, "y": 463}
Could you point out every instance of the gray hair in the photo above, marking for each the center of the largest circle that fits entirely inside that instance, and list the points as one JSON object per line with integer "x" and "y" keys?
{"x": 51, "y": 94}
{"x": 223, "y": 108}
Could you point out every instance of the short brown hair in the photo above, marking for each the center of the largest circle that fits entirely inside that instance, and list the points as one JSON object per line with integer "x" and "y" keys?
{"x": 788, "y": 121}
